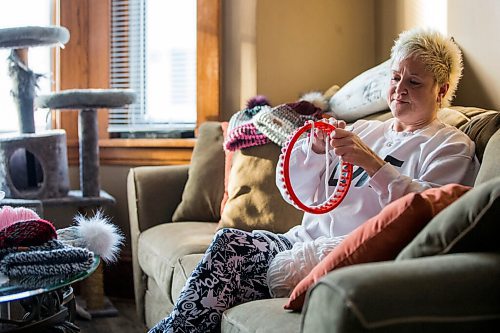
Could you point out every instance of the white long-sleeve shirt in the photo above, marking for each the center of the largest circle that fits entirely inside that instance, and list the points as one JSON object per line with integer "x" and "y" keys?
{"x": 435, "y": 155}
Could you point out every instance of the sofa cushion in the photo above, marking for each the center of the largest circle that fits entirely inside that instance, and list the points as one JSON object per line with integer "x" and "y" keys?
{"x": 254, "y": 201}
{"x": 204, "y": 188}
{"x": 363, "y": 95}
{"x": 382, "y": 236}
{"x": 161, "y": 247}
{"x": 491, "y": 160}
{"x": 480, "y": 129}
{"x": 260, "y": 316}
{"x": 469, "y": 224}
{"x": 452, "y": 117}
{"x": 470, "y": 111}
{"x": 183, "y": 268}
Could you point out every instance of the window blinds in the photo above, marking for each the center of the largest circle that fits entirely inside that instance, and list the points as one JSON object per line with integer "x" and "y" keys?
{"x": 127, "y": 67}
{"x": 164, "y": 80}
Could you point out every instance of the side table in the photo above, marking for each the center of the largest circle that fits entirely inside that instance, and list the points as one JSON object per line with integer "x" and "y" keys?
{"x": 92, "y": 288}
{"x": 44, "y": 304}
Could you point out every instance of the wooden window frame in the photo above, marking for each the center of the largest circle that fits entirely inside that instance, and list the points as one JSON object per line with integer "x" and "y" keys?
{"x": 84, "y": 63}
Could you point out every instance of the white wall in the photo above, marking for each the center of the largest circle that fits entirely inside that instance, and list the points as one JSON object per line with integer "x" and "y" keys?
{"x": 284, "y": 48}
{"x": 475, "y": 26}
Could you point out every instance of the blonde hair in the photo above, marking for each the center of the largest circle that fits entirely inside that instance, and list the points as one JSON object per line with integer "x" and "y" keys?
{"x": 439, "y": 53}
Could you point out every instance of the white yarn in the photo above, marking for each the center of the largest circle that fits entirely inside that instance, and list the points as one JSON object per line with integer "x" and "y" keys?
{"x": 327, "y": 166}
{"x": 289, "y": 267}
{"x": 327, "y": 161}
{"x": 309, "y": 143}
{"x": 101, "y": 236}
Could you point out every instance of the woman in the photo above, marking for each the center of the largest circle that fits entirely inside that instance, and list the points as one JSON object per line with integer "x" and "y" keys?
{"x": 411, "y": 152}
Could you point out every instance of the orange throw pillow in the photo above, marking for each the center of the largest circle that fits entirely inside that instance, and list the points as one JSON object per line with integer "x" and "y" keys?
{"x": 381, "y": 237}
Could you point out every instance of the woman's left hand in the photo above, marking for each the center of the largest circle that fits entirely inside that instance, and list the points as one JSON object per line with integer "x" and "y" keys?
{"x": 352, "y": 149}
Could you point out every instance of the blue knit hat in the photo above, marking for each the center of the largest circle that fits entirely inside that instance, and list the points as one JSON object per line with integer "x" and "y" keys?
{"x": 50, "y": 259}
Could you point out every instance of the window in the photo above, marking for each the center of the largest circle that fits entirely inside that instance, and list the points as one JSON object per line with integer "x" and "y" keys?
{"x": 85, "y": 63}
{"x": 14, "y": 14}
{"x": 153, "y": 52}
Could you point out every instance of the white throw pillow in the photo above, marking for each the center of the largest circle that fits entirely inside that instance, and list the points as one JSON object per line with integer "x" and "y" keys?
{"x": 363, "y": 95}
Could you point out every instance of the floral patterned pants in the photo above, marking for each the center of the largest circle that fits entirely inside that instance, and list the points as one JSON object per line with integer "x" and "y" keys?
{"x": 232, "y": 271}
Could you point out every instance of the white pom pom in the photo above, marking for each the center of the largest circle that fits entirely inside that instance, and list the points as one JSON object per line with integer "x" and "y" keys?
{"x": 316, "y": 98}
{"x": 101, "y": 236}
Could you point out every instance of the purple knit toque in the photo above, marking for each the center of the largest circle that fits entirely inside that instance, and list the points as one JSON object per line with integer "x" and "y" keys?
{"x": 244, "y": 136}
{"x": 259, "y": 100}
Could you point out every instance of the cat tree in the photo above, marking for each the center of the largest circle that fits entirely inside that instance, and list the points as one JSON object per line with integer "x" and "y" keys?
{"x": 35, "y": 165}
{"x": 32, "y": 165}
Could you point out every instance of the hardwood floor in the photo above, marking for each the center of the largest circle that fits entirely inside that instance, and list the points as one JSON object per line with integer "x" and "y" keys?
{"x": 125, "y": 322}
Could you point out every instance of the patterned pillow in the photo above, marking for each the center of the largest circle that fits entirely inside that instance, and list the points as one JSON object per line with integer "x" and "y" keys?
{"x": 363, "y": 95}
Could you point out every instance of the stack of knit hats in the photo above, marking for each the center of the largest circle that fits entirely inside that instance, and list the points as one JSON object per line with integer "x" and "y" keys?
{"x": 31, "y": 250}
{"x": 29, "y": 247}
{"x": 260, "y": 123}
{"x": 47, "y": 260}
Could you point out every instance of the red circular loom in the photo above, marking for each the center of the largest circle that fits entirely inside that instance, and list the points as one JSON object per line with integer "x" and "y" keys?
{"x": 342, "y": 185}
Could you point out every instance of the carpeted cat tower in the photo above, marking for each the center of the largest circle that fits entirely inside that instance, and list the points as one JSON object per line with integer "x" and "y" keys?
{"x": 34, "y": 165}
{"x": 88, "y": 102}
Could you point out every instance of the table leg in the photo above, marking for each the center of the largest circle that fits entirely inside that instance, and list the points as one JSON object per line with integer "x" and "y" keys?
{"x": 96, "y": 304}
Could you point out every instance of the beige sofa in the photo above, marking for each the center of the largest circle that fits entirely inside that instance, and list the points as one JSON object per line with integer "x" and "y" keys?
{"x": 165, "y": 252}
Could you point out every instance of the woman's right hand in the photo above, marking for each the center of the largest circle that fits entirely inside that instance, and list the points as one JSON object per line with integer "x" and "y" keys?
{"x": 319, "y": 137}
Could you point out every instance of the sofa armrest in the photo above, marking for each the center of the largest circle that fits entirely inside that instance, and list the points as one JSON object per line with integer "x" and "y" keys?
{"x": 153, "y": 194}
{"x": 449, "y": 293}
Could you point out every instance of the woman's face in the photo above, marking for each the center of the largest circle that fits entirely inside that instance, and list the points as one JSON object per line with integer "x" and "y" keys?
{"x": 413, "y": 94}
